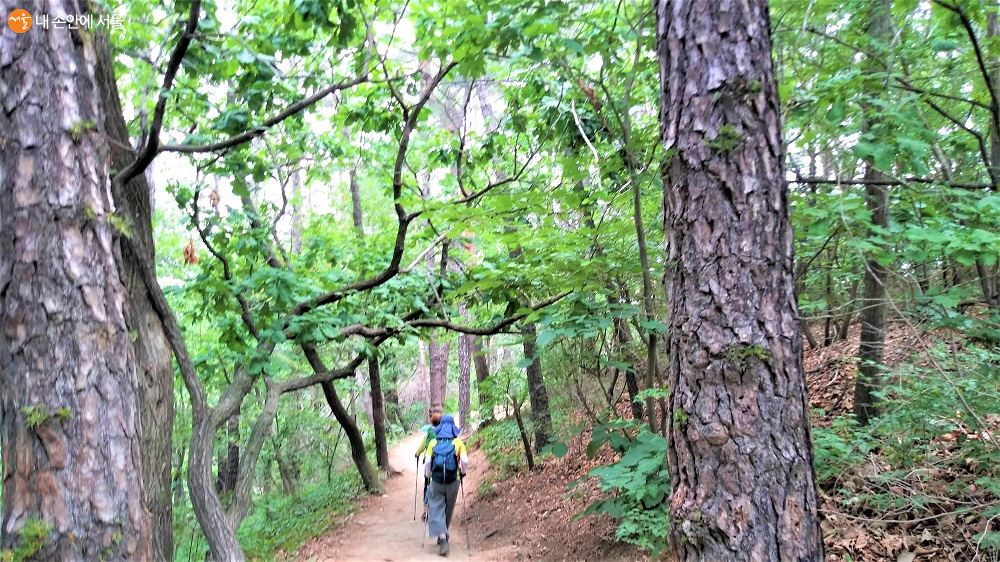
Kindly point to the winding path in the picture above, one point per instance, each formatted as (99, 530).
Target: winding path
(382, 529)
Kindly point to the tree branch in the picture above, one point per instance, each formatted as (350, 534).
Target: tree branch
(226, 270)
(259, 130)
(890, 182)
(149, 151)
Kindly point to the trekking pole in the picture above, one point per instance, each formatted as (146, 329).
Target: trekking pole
(416, 487)
(427, 520)
(465, 512)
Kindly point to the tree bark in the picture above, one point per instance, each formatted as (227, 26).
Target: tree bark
(229, 465)
(378, 413)
(369, 477)
(464, 378)
(739, 454)
(438, 361)
(154, 360)
(356, 202)
(67, 365)
(541, 419)
(481, 361)
(423, 372)
(869, 377)
(296, 230)
(647, 303)
(631, 382)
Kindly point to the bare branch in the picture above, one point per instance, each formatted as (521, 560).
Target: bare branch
(424, 253)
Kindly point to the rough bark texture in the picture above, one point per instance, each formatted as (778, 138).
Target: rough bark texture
(69, 394)
(739, 454)
(481, 360)
(438, 371)
(464, 373)
(874, 305)
(378, 414)
(541, 419)
(154, 360)
(229, 460)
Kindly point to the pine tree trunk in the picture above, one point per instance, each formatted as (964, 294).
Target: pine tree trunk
(71, 414)
(739, 454)
(154, 360)
(874, 305)
(541, 419)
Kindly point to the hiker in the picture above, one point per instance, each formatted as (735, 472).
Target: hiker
(447, 462)
(429, 436)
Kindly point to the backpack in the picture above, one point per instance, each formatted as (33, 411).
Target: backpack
(444, 462)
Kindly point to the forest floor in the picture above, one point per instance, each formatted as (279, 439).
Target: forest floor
(530, 515)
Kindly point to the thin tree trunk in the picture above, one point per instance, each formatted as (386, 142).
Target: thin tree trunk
(843, 324)
(229, 460)
(71, 409)
(481, 361)
(423, 372)
(541, 419)
(356, 201)
(438, 361)
(154, 360)
(378, 413)
(739, 455)
(296, 233)
(286, 470)
(869, 378)
(464, 374)
(647, 303)
(369, 477)
(631, 382)
(523, 432)
(365, 396)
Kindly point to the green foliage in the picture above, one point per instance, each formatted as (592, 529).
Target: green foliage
(64, 414)
(501, 442)
(636, 486)
(30, 540)
(284, 523)
(36, 415)
(839, 448)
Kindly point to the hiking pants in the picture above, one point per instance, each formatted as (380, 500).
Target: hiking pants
(441, 500)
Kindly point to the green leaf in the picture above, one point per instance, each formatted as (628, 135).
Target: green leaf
(545, 338)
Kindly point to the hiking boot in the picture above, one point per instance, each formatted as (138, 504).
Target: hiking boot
(443, 547)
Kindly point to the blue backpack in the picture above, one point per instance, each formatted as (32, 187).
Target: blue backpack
(444, 462)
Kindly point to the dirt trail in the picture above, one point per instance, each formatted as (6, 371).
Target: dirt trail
(383, 530)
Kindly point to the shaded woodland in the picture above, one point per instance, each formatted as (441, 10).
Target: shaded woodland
(731, 269)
